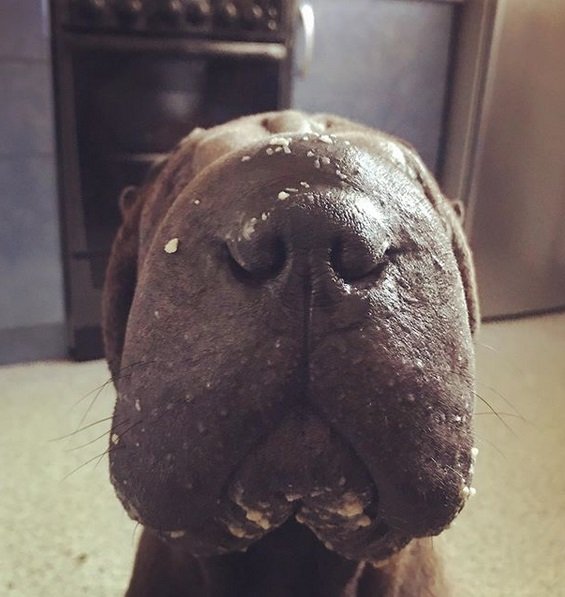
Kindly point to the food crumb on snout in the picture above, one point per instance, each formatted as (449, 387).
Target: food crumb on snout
(236, 531)
(468, 492)
(350, 506)
(172, 245)
(363, 521)
(249, 228)
(279, 141)
(258, 518)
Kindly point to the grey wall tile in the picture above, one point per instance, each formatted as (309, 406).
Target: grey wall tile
(26, 114)
(23, 26)
(30, 263)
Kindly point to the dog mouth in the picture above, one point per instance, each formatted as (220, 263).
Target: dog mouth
(304, 471)
(343, 520)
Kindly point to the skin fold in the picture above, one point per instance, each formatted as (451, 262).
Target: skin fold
(288, 316)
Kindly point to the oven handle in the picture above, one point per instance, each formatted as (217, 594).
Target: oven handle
(308, 22)
(185, 47)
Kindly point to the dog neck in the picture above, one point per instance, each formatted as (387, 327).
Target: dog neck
(290, 562)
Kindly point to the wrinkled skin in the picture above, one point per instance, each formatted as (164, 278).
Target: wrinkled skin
(302, 354)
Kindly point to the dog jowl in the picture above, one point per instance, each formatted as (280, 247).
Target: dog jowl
(289, 312)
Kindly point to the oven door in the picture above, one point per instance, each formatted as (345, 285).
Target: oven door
(124, 102)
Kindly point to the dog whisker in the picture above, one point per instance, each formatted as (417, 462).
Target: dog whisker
(100, 456)
(91, 404)
(484, 440)
(487, 346)
(87, 395)
(503, 414)
(109, 381)
(135, 528)
(105, 434)
(77, 431)
(78, 468)
(495, 412)
(502, 397)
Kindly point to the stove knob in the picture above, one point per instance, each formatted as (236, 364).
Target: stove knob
(169, 12)
(128, 11)
(252, 16)
(90, 9)
(197, 11)
(227, 14)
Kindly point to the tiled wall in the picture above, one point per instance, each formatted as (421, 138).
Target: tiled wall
(31, 290)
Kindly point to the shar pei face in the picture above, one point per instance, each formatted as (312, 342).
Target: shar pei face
(288, 317)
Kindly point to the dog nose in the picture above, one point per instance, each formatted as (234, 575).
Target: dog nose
(347, 240)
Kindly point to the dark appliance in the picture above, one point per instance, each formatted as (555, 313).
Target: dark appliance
(131, 78)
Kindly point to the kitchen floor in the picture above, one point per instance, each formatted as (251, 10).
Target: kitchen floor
(63, 533)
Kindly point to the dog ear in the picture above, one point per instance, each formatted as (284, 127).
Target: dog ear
(121, 278)
(451, 213)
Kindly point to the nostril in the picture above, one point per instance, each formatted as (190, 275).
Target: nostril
(355, 260)
(255, 262)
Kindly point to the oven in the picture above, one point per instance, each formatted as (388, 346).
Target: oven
(132, 77)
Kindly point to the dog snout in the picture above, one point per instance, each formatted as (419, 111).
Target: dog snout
(348, 242)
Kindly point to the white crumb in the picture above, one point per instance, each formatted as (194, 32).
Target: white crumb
(172, 246)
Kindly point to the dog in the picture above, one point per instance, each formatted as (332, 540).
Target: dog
(288, 316)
